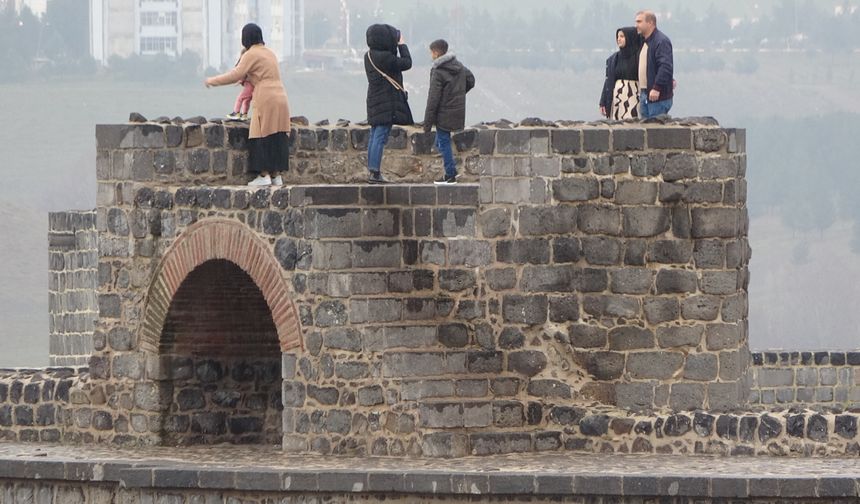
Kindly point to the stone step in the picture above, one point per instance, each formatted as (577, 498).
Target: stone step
(199, 472)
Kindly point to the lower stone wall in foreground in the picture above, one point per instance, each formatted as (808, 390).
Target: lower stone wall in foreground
(487, 427)
(58, 405)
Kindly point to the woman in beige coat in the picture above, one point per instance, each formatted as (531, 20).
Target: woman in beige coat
(268, 139)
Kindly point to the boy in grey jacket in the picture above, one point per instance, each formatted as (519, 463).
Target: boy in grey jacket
(446, 103)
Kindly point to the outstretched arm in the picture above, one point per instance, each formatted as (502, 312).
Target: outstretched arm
(235, 75)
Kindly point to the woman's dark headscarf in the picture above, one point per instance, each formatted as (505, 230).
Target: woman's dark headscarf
(627, 64)
(251, 35)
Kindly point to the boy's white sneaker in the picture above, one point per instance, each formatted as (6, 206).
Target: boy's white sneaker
(261, 181)
(278, 181)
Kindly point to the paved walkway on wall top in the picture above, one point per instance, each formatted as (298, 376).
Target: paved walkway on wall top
(268, 469)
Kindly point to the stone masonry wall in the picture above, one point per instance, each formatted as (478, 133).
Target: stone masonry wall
(585, 292)
(806, 378)
(36, 404)
(72, 276)
(606, 265)
(585, 264)
(57, 405)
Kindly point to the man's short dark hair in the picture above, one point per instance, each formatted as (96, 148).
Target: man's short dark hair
(440, 47)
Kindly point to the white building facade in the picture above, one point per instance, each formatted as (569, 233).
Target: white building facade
(210, 28)
(37, 7)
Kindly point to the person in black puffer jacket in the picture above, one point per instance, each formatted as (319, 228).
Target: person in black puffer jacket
(446, 103)
(386, 102)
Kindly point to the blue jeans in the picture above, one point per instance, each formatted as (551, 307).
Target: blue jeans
(443, 145)
(376, 146)
(652, 109)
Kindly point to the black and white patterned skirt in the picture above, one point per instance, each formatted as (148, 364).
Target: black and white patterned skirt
(625, 100)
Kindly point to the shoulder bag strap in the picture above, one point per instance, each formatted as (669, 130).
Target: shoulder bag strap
(393, 82)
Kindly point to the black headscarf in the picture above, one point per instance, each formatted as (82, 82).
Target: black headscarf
(627, 63)
(251, 35)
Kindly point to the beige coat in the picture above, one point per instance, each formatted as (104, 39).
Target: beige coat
(271, 110)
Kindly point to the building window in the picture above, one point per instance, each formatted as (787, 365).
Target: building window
(156, 45)
(154, 18)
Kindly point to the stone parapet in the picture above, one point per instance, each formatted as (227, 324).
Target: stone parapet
(214, 153)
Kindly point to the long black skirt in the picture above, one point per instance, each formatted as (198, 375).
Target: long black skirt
(269, 154)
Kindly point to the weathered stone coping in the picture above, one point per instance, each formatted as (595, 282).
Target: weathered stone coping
(264, 469)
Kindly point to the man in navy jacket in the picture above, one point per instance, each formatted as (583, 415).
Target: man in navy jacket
(655, 67)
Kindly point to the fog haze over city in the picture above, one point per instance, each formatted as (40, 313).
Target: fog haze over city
(785, 70)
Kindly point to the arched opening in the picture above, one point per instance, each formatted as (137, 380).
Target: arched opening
(211, 239)
(221, 339)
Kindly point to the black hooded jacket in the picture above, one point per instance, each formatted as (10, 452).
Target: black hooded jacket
(446, 100)
(384, 102)
(623, 64)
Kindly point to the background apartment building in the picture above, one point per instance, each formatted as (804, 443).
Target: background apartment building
(209, 28)
(37, 7)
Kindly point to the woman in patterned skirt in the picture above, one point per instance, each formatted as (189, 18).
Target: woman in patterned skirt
(620, 97)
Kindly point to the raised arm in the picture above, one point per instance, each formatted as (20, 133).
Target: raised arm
(404, 61)
(233, 76)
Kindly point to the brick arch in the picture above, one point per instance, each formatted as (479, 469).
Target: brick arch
(211, 239)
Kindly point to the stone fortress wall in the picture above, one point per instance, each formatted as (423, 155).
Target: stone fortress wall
(583, 289)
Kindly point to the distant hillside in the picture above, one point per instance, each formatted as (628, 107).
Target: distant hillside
(23, 286)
